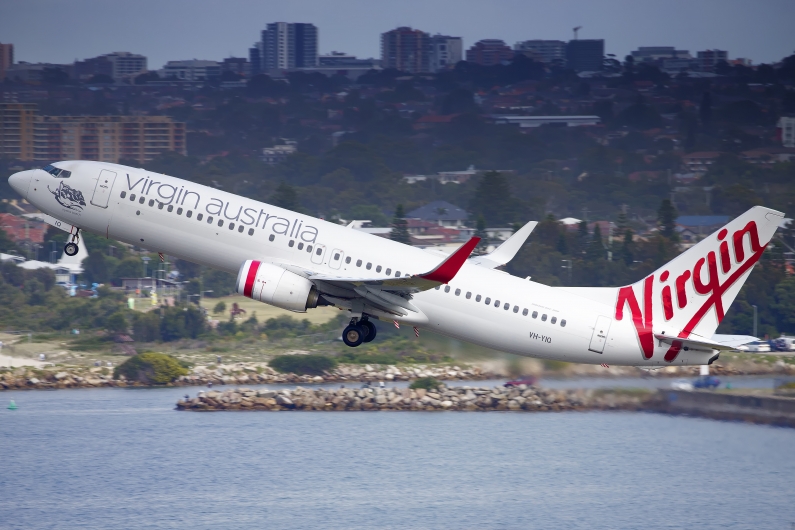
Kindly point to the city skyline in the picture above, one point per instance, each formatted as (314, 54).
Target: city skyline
(217, 31)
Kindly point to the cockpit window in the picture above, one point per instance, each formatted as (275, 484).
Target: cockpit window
(56, 172)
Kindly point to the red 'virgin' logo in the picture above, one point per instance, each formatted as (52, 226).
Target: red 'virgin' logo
(712, 287)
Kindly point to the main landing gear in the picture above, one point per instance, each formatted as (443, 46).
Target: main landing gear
(71, 248)
(358, 331)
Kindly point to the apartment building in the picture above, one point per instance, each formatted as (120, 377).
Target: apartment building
(545, 51)
(406, 49)
(489, 52)
(26, 136)
(6, 58)
(16, 130)
(446, 51)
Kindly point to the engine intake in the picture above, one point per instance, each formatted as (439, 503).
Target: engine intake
(275, 286)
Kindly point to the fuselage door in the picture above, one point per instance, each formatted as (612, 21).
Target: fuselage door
(317, 254)
(103, 187)
(337, 256)
(600, 331)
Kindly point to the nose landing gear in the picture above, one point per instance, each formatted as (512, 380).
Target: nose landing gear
(358, 331)
(71, 248)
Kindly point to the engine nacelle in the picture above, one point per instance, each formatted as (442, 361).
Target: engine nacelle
(275, 286)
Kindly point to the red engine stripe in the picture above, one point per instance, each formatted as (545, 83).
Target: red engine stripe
(252, 274)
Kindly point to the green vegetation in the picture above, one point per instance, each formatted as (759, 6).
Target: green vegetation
(220, 307)
(151, 369)
(303, 364)
(426, 383)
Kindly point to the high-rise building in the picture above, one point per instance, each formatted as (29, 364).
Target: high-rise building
(192, 70)
(585, 55)
(255, 58)
(6, 58)
(489, 51)
(26, 136)
(546, 51)
(406, 49)
(445, 52)
(285, 46)
(16, 130)
(707, 59)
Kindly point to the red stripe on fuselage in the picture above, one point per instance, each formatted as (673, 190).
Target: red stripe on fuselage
(252, 274)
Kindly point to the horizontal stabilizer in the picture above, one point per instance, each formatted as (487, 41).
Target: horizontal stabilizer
(717, 342)
(507, 250)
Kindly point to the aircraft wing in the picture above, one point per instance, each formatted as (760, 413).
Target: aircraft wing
(717, 342)
(390, 295)
(507, 250)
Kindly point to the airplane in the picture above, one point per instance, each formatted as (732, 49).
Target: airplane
(297, 262)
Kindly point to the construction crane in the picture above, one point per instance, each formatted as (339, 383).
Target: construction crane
(578, 28)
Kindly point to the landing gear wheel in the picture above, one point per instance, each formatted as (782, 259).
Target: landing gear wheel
(370, 330)
(70, 249)
(353, 335)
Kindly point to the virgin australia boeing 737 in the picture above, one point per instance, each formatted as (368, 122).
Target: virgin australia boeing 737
(297, 262)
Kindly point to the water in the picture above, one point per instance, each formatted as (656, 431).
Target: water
(122, 458)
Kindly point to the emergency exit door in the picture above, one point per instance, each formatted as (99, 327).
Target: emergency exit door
(103, 187)
(600, 331)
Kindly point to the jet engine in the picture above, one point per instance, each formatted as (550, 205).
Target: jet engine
(275, 286)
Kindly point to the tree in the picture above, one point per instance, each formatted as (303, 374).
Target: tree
(187, 269)
(116, 323)
(494, 201)
(596, 249)
(666, 219)
(285, 197)
(95, 268)
(220, 307)
(400, 231)
(151, 369)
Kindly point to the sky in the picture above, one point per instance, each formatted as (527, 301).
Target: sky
(60, 31)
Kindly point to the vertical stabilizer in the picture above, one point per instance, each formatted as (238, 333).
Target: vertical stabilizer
(690, 295)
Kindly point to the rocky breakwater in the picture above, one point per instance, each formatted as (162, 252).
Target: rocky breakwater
(22, 379)
(259, 373)
(521, 398)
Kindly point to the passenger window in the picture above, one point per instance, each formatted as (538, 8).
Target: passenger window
(151, 202)
(438, 287)
(271, 237)
(210, 220)
(458, 292)
(388, 272)
(309, 248)
(319, 251)
(369, 266)
(524, 312)
(231, 226)
(179, 211)
(516, 309)
(336, 256)
(563, 323)
(251, 231)
(553, 320)
(496, 303)
(487, 301)
(170, 208)
(160, 205)
(544, 317)
(189, 213)
(477, 298)
(348, 259)
(535, 314)
(240, 228)
(397, 274)
(300, 246)
(123, 194)
(199, 216)
(447, 288)
(378, 269)
(220, 222)
(469, 295)
(291, 244)
(142, 200)
(132, 196)
(358, 263)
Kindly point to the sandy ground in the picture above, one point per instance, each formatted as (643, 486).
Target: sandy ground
(14, 362)
(319, 315)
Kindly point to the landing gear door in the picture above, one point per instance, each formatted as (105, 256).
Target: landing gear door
(600, 331)
(103, 187)
(337, 256)
(317, 254)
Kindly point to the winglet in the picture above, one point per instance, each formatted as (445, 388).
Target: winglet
(447, 269)
(507, 250)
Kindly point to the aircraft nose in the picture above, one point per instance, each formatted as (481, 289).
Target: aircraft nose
(20, 182)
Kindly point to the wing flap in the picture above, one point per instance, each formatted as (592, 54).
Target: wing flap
(718, 342)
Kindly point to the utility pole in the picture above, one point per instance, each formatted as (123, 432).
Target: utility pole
(755, 313)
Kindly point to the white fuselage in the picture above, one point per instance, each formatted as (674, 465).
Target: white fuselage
(522, 317)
